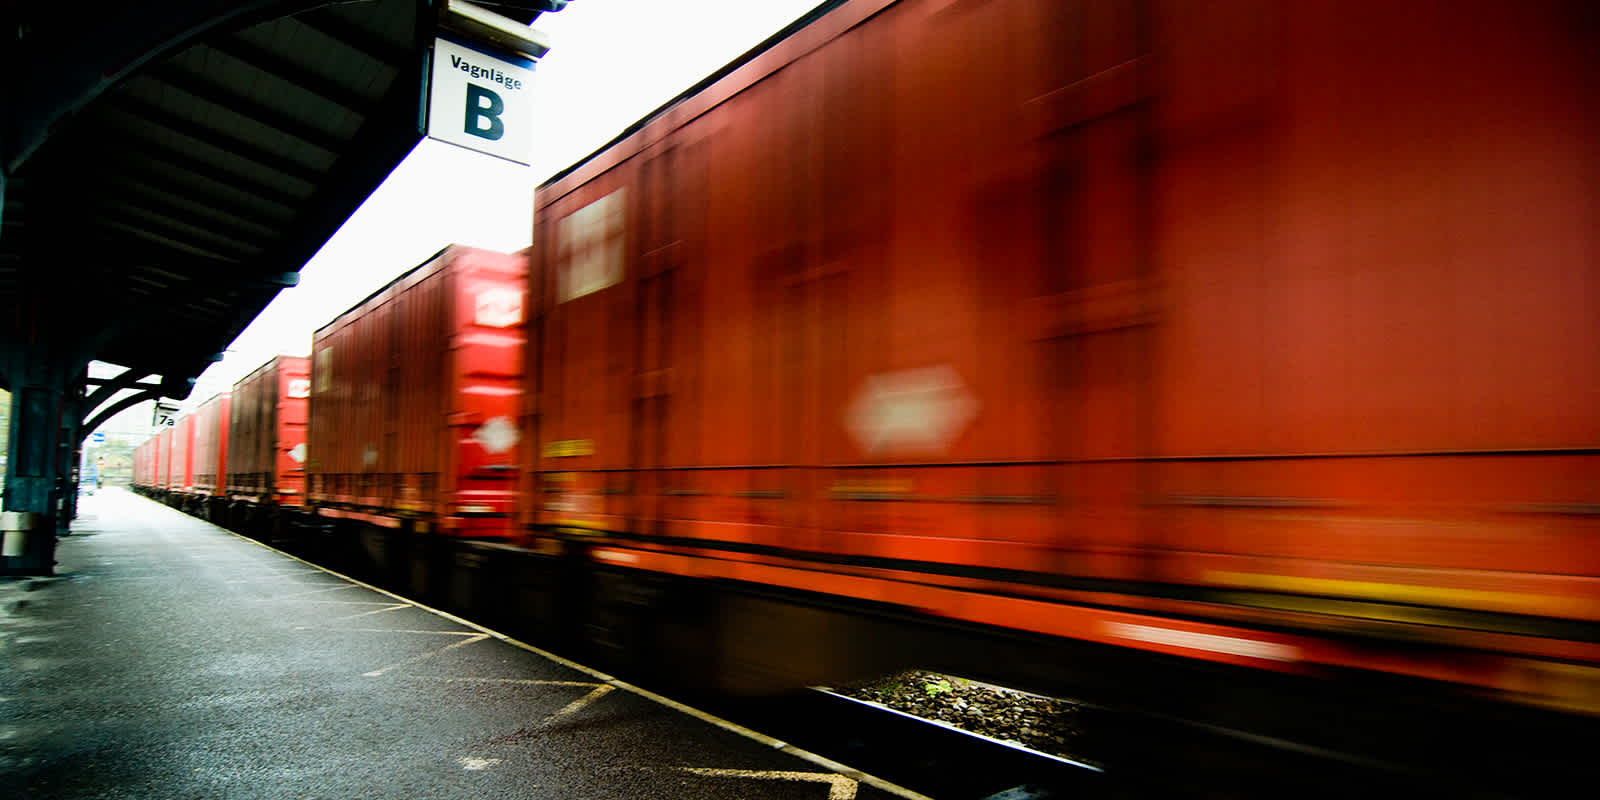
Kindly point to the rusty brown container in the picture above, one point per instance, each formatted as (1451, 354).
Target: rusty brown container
(163, 459)
(211, 446)
(267, 439)
(1289, 304)
(416, 394)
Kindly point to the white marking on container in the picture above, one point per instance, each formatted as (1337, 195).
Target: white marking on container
(497, 435)
(491, 391)
(911, 411)
(497, 307)
(1208, 642)
(617, 557)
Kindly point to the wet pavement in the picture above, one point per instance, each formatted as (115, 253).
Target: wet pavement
(172, 659)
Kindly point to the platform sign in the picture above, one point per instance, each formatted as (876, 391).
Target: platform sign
(479, 98)
(166, 415)
(97, 438)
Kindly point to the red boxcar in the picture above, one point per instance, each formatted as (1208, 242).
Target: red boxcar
(149, 456)
(267, 433)
(415, 398)
(140, 466)
(163, 476)
(211, 447)
(180, 468)
(1201, 332)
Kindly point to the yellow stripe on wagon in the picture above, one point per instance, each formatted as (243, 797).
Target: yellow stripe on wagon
(1413, 594)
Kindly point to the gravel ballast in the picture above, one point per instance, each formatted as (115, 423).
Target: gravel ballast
(1045, 724)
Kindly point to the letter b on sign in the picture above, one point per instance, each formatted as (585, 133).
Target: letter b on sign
(483, 113)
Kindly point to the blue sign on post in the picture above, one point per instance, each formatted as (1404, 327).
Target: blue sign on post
(97, 438)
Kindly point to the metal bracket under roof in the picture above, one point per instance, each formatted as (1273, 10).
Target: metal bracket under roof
(487, 26)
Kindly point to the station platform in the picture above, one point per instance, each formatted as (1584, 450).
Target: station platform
(171, 658)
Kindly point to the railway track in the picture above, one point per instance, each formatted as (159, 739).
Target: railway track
(930, 757)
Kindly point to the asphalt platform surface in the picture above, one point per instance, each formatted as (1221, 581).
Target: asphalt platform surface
(171, 659)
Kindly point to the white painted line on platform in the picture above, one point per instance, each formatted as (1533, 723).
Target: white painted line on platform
(580, 704)
(732, 727)
(839, 787)
(388, 630)
(514, 681)
(386, 609)
(425, 656)
(476, 764)
(304, 594)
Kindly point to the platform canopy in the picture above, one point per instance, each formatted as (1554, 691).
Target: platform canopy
(168, 168)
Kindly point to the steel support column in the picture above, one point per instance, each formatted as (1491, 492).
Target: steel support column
(69, 448)
(41, 382)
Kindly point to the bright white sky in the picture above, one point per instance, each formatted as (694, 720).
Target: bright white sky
(610, 63)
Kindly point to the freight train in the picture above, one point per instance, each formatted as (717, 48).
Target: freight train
(1238, 361)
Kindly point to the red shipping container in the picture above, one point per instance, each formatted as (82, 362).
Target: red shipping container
(147, 462)
(180, 471)
(1252, 304)
(267, 433)
(415, 397)
(163, 476)
(211, 446)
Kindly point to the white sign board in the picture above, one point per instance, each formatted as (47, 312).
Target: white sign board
(166, 415)
(481, 101)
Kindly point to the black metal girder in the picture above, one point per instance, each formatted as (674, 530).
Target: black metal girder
(243, 105)
(239, 148)
(188, 157)
(88, 47)
(273, 63)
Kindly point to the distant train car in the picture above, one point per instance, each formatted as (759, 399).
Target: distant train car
(210, 437)
(267, 442)
(1225, 332)
(163, 477)
(143, 465)
(415, 399)
(180, 473)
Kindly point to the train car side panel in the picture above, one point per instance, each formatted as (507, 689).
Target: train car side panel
(1156, 306)
(485, 398)
(211, 445)
(163, 475)
(286, 418)
(405, 387)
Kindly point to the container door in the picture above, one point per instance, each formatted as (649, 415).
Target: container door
(1093, 313)
(670, 239)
